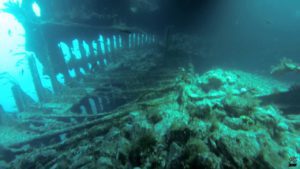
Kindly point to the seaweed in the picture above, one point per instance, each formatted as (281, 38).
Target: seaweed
(179, 133)
(154, 117)
(240, 105)
(142, 147)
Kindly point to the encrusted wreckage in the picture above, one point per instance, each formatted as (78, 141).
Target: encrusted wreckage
(165, 118)
(122, 100)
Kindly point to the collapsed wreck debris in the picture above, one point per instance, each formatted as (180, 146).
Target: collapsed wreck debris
(176, 122)
(285, 66)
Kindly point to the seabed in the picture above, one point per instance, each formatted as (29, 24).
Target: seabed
(155, 118)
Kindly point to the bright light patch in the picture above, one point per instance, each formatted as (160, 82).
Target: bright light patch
(14, 67)
(120, 41)
(83, 110)
(3, 2)
(7, 100)
(101, 103)
(86, 49)
(65, 51)
(143, 39)
(129, 40)
(108, 45)
(95, 47)
(12, 41)
(45, 79)
(72, 73)
(90, 66)
(138, 40)
(36, 9)
(115, 42)
(82, 71)
(60, 78)
(134, 39)
(76, 49)
(102, 46)
(93, 105)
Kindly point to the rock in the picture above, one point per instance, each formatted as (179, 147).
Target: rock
(109, 147)
(237, 146)
(201, 127)
(35, 159)
(282, 126)
(243, 122)
(233, 123)
(112, 134)
(231, 79)
(217, 79)
(170, 117)
(173, 155)
(6, 154)
(104, 162)
(202, 109)
(243, 90)
(216, 94)
(3, 164)
(207, 160)
(84, 160)
(140, 120)
(211, 80)
(298, 145)
(193, 91)
(271, 158)
(233, 91)
(179, 135)
(45, 155)
(240, 105)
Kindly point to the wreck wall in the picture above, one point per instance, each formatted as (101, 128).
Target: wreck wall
(39, 65)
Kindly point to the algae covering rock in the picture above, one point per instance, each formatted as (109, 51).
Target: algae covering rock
(238, 147)
(210, 121)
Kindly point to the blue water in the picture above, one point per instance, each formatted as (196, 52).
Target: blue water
(253, 34)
